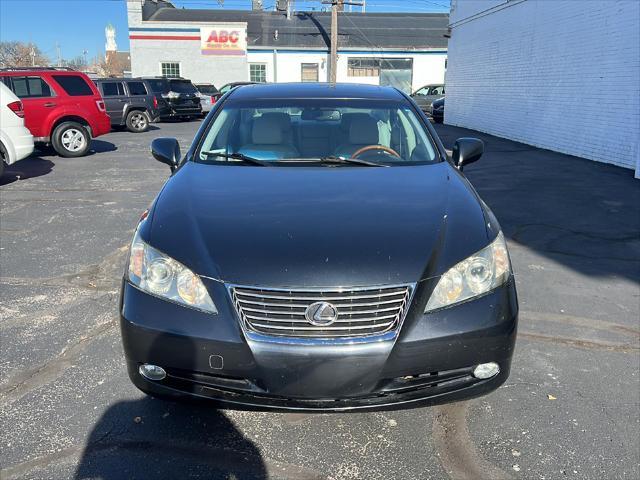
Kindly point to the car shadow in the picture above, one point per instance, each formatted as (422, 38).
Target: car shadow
(581, 213)
(30, 167)
(154, 438)
(101, 146)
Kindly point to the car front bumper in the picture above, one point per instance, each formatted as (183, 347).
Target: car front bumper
(429, 362)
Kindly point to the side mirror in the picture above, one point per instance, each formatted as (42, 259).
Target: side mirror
(466, 151)
(166, 150)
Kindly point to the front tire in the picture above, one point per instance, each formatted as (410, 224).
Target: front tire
(71, 139)
(137, 121)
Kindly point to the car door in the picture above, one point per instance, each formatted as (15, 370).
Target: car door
(115, 100)
(38, 100)
(435, 93)
(421, 97)
(139, 97)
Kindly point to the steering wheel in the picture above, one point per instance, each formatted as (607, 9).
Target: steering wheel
(368, 148)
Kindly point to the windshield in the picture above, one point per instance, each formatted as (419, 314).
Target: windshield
(182, 86)
(307, 130)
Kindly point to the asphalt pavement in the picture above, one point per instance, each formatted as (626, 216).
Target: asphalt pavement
(570, 408)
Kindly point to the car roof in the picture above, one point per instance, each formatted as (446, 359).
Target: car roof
(316, 90)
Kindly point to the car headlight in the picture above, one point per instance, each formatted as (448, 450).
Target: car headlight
(480, 273)
(162, 276)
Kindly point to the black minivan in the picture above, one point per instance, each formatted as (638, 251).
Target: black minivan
(179, 97)
(316, 249)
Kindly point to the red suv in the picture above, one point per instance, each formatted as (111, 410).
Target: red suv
(62, 107)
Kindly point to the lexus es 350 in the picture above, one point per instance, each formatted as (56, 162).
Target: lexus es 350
(316, 249)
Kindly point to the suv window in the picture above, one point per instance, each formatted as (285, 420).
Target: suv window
(30, 87)
(111, 89)
(74, 85)
(159, 85)
(182, 86)
(137, 88)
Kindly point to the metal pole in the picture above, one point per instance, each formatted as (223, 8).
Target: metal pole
(334, 41)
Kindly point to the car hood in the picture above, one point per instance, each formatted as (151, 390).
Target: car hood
(317, 226)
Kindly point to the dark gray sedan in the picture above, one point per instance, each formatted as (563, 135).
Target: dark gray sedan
(317, 250)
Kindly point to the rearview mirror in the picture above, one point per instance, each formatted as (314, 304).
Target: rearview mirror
(466, 151)
(166, 150)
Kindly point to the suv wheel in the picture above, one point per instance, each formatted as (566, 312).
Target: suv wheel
(70, 139)
(137, 121)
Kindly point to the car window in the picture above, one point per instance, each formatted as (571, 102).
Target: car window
(207, 89)
(437, 90)
(423, 91)
(30, 87)
(74, 85)
(182, 86)
(111, 89)
(137, 88)
(225, 89)
(311, 129)
(159, 85)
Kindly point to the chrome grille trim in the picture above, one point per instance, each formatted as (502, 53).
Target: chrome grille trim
(364, 314)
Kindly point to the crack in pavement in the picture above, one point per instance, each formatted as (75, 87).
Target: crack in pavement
(234, 461)
(27, 381)
(575, 342)
(103, 276)
(457, 452)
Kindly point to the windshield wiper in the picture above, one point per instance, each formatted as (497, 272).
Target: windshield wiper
(237, 156)
(332, 159)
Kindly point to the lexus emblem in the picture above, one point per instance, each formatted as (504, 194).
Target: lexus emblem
(321, 314)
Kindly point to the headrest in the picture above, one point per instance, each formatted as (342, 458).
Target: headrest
(281, 118)
(363, 130)
(266, 132)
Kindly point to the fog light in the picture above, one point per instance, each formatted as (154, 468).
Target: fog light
(152, 372)
(486, 370)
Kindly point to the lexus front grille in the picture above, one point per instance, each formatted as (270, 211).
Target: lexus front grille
(289, 313)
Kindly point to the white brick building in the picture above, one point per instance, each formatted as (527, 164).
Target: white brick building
(561, 74)
(408, 50)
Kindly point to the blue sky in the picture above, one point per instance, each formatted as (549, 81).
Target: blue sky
(79, 24)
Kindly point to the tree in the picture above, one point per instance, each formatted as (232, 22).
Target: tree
(77, 63)
(113, 64)
(20, 54)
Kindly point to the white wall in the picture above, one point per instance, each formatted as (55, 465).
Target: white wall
(562, 75)
(427, 67)
(146, 56)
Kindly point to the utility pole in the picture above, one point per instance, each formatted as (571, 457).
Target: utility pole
(59, 54)
(336, 6)
(334, 41)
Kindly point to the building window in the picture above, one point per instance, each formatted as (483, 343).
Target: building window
(170, 69)
(363, 67)
(257, 72)
(309, 72)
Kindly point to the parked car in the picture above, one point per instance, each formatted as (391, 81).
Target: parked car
(129, 102)
(316, 249)
(179, 95)
(208, 94)
(230, 86)
(16, 142)
(62, 107)
(426, 95)
(437, 110)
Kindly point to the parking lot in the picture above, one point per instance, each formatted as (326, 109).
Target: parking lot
(568, 410)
